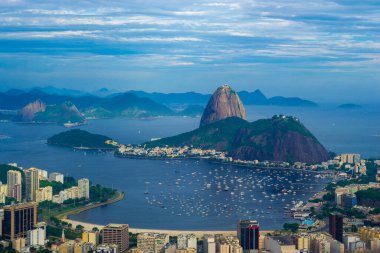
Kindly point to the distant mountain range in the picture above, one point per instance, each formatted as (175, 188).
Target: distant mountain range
(248, 98)
(105, 103)
(38, 106)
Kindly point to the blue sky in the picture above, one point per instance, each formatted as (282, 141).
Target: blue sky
(317, 49)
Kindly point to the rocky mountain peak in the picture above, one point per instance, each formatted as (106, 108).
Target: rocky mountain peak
(28, 112)
(224, 103)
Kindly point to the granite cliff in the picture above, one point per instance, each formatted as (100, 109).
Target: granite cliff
(224, 103)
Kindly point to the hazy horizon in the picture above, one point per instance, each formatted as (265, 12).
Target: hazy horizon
(325, 51)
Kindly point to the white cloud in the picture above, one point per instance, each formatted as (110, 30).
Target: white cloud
(160, 39)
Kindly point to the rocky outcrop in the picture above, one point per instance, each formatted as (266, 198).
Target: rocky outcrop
(28, 112)
(224, 103)
(39, 112)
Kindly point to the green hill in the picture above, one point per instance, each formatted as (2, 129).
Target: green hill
(280, 138)
(77, 138)
(218, 135)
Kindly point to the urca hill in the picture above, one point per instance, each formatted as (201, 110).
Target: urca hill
(224, 127)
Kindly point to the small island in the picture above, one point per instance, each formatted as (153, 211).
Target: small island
(350, 106)
(80, 139)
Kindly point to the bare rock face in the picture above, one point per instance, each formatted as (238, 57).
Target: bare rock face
(28, 112)
(224, 103)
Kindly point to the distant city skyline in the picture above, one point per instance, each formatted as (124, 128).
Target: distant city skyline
(323, 50)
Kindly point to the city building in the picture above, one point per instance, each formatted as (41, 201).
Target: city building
(36, 236)
(248, 232)
(42, 174)
(228, 244)
(116, 234)
(84, 188)
(32, 184)
(91, 237)
(374, 244)
(145, 242)
(15, 227)
(44, 193)
(152, 242)
(2, 197)
(336, 226)
(350, 158)
(18, 244)
(349, 200)
(4, 189)
(353, 243)
(14, 182)
(107, 248)
(55, 176)
(209, 244)
(302, 242)
(3, 192)
(279, 244)
(185, 241)
(367, 233)
(170, 248)
(83, 247)
(160, 241)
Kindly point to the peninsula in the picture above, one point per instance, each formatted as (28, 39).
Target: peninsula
(80, 139)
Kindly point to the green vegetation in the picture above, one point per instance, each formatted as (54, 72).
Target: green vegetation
(132, 240)
(53, 231)
(216, 135)
(101, 194)
(369, 197)
(372, 194)
(80, 138)
(66, 112)
(316, 200)
(192, 111)
(4, 168)
(58, 186)
(98, 112)
(260, 139)
(293, 227)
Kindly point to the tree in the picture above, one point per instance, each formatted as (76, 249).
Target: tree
(79, 227)
(291, 226)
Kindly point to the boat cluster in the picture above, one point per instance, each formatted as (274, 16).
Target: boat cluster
(228, 191)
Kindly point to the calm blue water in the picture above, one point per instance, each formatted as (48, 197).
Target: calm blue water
(189, 194)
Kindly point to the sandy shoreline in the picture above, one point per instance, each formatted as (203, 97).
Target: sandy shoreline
(198, 233)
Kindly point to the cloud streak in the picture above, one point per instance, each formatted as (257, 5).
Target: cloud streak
(197, 35)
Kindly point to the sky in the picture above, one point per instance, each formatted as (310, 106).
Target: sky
(316, 49)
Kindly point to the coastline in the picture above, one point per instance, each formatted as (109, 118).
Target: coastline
(198, 233)
(328, 172)
(120, 195)
(64, 216)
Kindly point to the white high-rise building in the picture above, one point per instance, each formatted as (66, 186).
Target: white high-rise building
(44, 193)
(32, 183)
(186, 241)
(209, 245)
(84, 188)
(55, 176)
(14, 184)
(43, 174)
(2, 197)
(37, 236)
